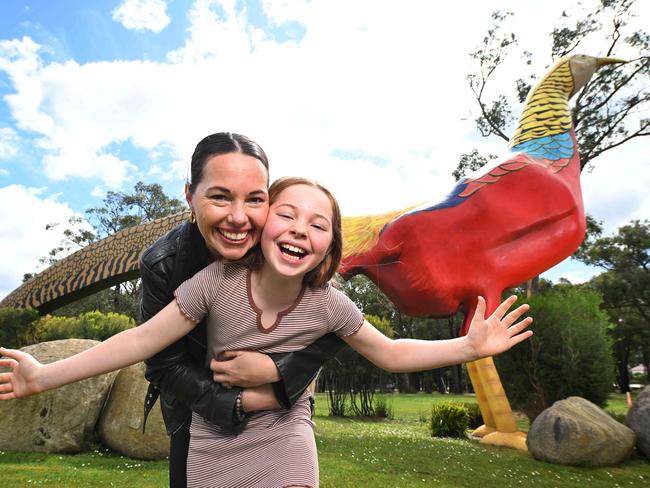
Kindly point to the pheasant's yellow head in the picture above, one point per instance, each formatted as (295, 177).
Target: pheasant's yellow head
(583, 68)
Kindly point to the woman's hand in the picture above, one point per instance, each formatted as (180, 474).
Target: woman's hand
(259, 398)
(22, 380)
(497, 333)
(244, 368)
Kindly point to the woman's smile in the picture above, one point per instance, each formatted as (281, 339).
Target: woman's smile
(235, 237)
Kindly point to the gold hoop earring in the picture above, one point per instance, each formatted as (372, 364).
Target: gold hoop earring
(191, 218)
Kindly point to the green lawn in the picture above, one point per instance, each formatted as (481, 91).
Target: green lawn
(353, 453)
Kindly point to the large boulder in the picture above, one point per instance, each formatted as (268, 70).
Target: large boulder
(638, 419)
(576, 432)
(120, 424)
(61, 420)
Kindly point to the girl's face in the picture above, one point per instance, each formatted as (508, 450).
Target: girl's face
(230, 204)
(298, 231)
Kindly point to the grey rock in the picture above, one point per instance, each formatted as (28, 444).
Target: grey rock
(576, 432)
(120, 424)
(61, 420)
(638, 419)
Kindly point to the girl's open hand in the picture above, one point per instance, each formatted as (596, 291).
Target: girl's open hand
(497, 333)
(21, 381)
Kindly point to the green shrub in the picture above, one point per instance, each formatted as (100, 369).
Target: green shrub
(90, 325)
(474, 414)
(569, 355)
(17, 327)
(448, 420)
(383, 408)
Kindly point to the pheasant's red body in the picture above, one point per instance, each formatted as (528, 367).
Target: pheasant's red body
(494, 232)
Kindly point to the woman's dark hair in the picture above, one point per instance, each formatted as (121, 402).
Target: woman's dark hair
(222, 143)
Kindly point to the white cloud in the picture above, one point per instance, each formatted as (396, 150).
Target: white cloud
(4, 172)
(142, 15)
(572, 270)
(23, 239)
(98, 192)
(615, 192)
(8, 143)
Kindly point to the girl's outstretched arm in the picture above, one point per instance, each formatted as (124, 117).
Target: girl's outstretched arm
(131, 346)
(486, 337)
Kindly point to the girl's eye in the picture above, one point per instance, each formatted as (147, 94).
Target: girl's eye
(319, 227)
(285, 216)
(218, 197)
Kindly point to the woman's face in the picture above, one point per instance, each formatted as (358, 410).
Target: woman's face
(230, 204)
(298, 232)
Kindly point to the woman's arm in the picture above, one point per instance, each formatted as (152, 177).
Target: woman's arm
(486, 337)
(290, 373)
(128, 347)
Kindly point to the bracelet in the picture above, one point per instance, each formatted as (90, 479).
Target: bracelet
(238, 410)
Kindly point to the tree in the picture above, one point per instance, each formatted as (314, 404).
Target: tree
(369, 298)
(119, 210)
(352, 376)
(446, 379)
(469, 162)
(349, 374)
(625, 287)
(609, 110)
(569, 354)
(605, 113)
(18, 327)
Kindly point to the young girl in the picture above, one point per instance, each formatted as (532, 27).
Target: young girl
(281, 302)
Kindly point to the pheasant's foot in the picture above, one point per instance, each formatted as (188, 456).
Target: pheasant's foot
(483, 430)
(508, 439)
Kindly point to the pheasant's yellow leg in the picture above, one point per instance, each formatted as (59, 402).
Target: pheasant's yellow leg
(500, 427)
(488, 425)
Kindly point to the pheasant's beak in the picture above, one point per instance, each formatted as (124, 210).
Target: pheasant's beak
(603, 61)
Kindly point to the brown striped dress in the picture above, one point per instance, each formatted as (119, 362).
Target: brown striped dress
(277, 449)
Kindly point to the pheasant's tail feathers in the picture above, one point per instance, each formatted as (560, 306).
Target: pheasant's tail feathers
(361, 233)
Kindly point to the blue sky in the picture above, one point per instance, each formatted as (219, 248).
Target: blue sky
(84, 31)
(368, 97)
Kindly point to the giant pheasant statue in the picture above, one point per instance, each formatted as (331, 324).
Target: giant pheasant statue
(494, 231)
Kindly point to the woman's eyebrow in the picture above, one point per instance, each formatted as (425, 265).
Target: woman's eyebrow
(218, 188)
(224, 189)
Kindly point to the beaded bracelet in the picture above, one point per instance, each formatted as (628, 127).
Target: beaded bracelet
(238, 409)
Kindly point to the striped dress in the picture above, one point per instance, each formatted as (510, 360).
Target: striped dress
(277, 449)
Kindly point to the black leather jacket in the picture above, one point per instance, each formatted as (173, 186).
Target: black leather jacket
(178, 373)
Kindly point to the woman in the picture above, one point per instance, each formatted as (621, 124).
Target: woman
(228, 199)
